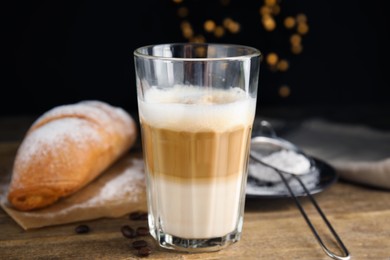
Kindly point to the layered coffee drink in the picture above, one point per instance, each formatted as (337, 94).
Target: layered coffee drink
(196, 147)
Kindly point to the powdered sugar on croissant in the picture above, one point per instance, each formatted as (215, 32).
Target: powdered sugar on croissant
(65, 149)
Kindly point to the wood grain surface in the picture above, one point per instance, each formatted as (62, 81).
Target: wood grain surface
(273, 228)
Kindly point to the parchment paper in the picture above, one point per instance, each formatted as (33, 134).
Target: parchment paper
(118, 191)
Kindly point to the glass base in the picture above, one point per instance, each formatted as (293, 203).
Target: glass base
(195, 245)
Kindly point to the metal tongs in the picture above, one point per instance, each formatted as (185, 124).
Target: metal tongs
(270, 143)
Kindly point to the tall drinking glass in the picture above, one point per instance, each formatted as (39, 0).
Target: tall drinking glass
(196, 104)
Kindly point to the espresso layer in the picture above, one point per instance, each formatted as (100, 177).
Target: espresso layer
(183, 155)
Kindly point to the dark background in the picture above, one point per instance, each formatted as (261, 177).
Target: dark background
(61, 52)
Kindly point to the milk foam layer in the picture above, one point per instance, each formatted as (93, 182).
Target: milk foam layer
(196, 108)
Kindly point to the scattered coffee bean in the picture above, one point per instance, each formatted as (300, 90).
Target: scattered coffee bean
(139, 243)
(134, 215)
(144, 216)
(144, 251)
(142, 231)
(128, 232)
(138, 215)
(82, 229)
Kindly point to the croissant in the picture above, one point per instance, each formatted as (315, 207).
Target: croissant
(65, 149)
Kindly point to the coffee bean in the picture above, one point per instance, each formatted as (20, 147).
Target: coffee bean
(82, 229)
(144, 216)
(128, 232)
(139, 243)
(142, 231)
(138, 215)
(134, 215)
(144, 251)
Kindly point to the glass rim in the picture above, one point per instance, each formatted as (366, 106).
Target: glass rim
(254, 52)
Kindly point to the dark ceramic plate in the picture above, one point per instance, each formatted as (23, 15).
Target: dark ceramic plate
(316, 181)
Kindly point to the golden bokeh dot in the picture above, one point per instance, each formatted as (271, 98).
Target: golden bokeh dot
(212, 52)
(272, 59)
(283, 65)
(295, 39)
(234, 27)
(187, 33)
(270, 2)
(265, 10)
(177, 1)
(297, 49)
(185, 24)
(302, 28)
(219, 31)
(284, 91)
(269, 22)
(301, 18)
(200, 51)
(182, 12)
(186, 29)
(289, 22)
(209, 25)
(227, 22)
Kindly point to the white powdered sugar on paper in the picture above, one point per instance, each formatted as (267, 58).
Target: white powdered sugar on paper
(126, 186)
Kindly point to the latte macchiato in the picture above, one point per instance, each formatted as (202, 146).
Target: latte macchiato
(196, 145)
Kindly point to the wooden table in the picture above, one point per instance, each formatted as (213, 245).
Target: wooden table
(273, 228)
